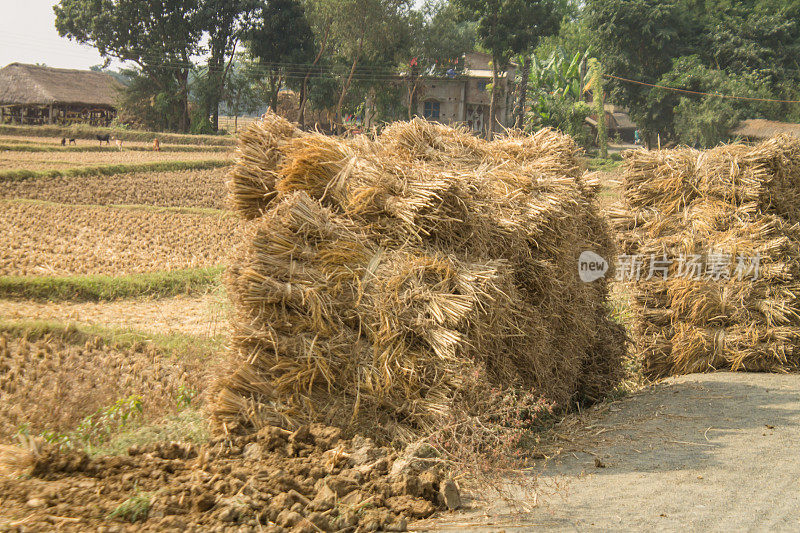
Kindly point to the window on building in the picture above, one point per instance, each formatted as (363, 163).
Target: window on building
(431, 110)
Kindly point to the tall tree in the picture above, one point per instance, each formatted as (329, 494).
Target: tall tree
(159, 37)
(365, 42)
(506, 28)
(282, 42)
(637, 39)
(225, 22)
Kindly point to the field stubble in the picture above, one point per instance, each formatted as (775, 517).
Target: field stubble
(52, 239)
(37, 161)
(186, 188)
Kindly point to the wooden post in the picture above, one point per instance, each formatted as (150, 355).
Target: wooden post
(50, 114)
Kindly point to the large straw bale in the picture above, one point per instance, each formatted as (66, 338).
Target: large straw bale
(738, 200)
(381, 282)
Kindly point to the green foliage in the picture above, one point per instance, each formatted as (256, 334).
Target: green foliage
(561, 113)
(442, 37)
(184, 397)
(738, 48)
(159, 37)
(280, 40)
(703, 121)
(506, 28)
(637, 40)
(556, 94)
(98, 427)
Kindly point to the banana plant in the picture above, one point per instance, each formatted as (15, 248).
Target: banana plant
(560, 75)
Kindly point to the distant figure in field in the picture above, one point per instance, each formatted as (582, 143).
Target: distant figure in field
(156, 145)
(118, 142)
(63, 141)
(104, 139)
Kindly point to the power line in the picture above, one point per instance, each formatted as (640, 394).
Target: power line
(676, 89)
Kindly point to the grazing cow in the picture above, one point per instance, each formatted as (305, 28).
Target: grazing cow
(72, 141)
(104, 139)
(63, 141)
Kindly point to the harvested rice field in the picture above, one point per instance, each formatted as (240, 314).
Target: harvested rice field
(50, 384)
(52, 239)
(183, 188)
(34, 161)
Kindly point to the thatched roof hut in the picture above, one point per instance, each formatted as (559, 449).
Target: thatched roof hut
(758, 129)
(32, 94)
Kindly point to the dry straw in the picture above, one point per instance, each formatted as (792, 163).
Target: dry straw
(379, 277)
(734, 199)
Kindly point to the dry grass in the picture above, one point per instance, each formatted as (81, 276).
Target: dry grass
(187, 188)
(386, 285)
(49, 384)
(51, 239)
(738, 200)
(36, 161)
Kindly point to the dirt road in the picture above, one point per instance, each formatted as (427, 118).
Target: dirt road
(714, 452)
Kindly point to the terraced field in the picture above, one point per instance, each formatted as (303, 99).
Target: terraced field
(111, 311)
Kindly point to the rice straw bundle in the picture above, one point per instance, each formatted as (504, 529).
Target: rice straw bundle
(382, 279)
(734, 201)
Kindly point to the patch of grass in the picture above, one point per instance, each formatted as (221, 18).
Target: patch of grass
(133, 509)
(175, 345)
(101, 287)
(187, 425)
(605, 165)
(84, 131)
(110, 170)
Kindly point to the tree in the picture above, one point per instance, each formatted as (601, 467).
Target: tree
(159, 37)
(556, 96)
(225, 22)
(747, 45)
(281, 40)
(440, 40)
(240, 96)
(366, 40)
(506, 28)
(597, 84)
(705, 120)
(638, 39)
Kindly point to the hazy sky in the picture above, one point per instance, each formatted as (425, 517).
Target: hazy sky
(28, 35)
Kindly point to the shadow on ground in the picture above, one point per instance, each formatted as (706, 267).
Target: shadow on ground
(713, 452)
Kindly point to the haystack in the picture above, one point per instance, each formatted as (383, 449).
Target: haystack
(728, 220)
(385, 283)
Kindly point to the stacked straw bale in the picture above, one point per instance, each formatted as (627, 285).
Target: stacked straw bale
(384, 282)
(734, 204)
